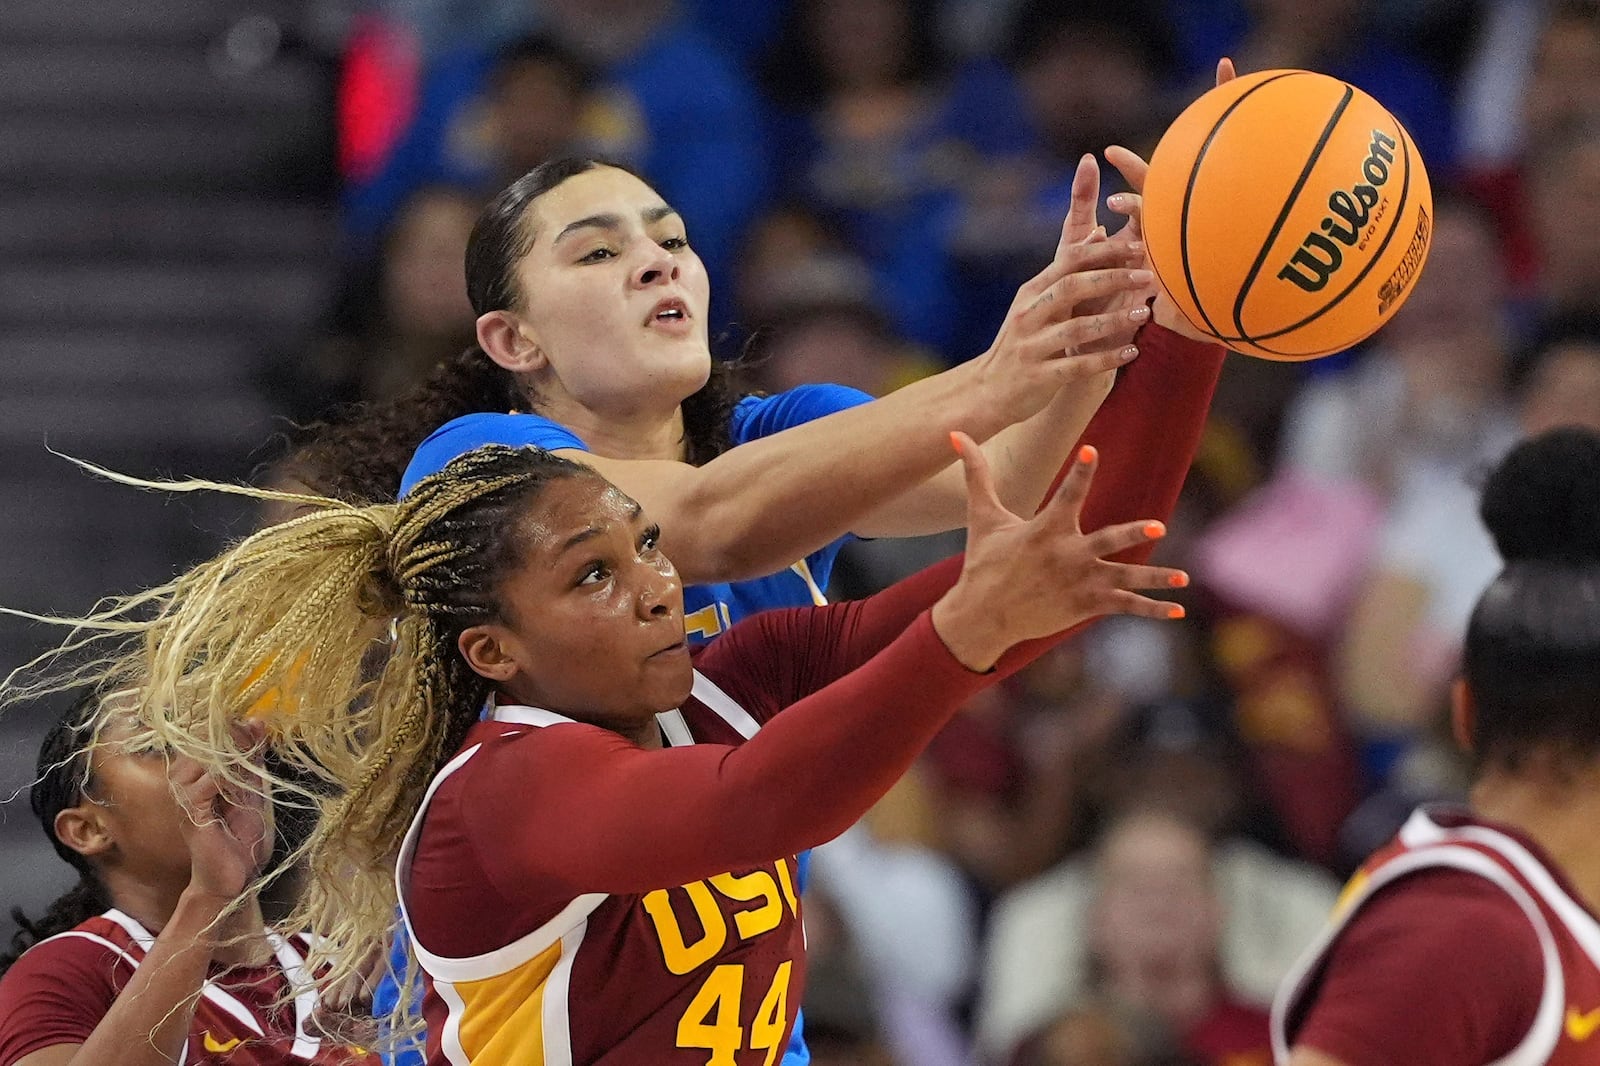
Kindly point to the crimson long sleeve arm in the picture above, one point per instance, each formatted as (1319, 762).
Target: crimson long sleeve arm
(614, 818)
(870, 684)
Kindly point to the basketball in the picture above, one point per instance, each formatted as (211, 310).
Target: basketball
(1287, 214)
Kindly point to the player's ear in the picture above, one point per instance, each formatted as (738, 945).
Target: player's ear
(83, 829)
(485, 651)
(1463, 714)
(508, 340)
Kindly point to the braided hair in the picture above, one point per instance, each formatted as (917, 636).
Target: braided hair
(339, 630)
(61, 776)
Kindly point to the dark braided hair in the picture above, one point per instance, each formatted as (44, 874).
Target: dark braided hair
(61, 776)
(360, 455)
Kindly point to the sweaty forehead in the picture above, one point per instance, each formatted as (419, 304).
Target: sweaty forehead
(570, 506)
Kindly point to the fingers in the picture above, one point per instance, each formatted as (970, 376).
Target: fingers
(1081, 214)
(1104, 543)
(1134, 576)
(1130, 165)
(1126, 203)
(1080, 365)
(1058, 301)
(1121, 601)
(984, 508)
(1089, 254)
(1225, 71)
(1108, 330)
(1067, 502)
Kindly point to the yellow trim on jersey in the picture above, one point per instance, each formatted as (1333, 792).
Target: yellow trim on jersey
(804, 570)
(502, 1018)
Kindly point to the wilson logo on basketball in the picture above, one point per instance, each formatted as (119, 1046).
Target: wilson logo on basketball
(1351, 213)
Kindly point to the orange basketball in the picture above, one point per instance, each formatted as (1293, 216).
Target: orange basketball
(1287, 214)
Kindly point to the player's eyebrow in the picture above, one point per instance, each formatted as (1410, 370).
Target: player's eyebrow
(590, 532)
(611, 220)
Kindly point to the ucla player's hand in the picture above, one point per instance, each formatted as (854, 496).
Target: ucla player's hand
(1134, 169)
(1051, 336)
(1030, 577)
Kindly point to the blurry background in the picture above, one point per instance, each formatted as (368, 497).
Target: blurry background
(220, 217)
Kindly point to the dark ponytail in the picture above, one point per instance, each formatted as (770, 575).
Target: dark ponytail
(1532, 652)
(361, 455)
(62, 774)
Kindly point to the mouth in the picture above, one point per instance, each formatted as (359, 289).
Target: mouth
(670, 650)
(671, 313)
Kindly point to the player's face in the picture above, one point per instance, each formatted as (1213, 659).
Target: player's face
(592, 618)
(140, 821)
(613, 296)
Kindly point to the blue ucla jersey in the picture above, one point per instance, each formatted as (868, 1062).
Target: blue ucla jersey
(708, 609)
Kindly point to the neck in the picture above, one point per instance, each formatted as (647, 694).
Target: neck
(237, 935)
(1558, 812)
(642, 434)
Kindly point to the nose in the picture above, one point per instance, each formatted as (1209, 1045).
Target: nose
(658, 266)
(659, 591)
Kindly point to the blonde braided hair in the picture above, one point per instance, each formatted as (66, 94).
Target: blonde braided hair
(338, 628)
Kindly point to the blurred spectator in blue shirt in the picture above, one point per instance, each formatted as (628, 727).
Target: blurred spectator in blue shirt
(666, 100)
(880, 133)
(1336, 37)
(1090, 74)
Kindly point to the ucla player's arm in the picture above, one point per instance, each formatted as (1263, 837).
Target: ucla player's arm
(1147, 432)
(1028, 456)
(760, 506)
(1438, 969)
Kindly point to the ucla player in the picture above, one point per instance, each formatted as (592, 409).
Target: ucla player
(1472, 938)
(132, 966)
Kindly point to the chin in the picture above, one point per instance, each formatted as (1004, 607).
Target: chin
(673, 693)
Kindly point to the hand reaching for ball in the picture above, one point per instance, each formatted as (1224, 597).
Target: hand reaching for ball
(1133, 169)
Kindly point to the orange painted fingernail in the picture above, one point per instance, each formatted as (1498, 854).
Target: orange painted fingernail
(1175, 612)
(1179, 580)
(1155, 530)
(1087, 454)
(955, 441)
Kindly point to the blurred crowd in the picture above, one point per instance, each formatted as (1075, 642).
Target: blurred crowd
(1114, 858)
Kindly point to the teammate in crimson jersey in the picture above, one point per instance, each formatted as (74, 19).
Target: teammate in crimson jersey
(604, 871)
(1472, 938)
(127, 968)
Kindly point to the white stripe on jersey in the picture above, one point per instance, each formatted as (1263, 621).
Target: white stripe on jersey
(1421, 829)
(724, 706)
(1545, 1032)
(524, 948)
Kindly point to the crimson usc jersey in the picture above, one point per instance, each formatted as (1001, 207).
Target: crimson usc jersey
(1557, 1020)
(63, 986)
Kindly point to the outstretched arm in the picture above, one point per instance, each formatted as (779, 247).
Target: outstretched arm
(1147, 433)
(615, 818)
(1026, 455)
(757, 508)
